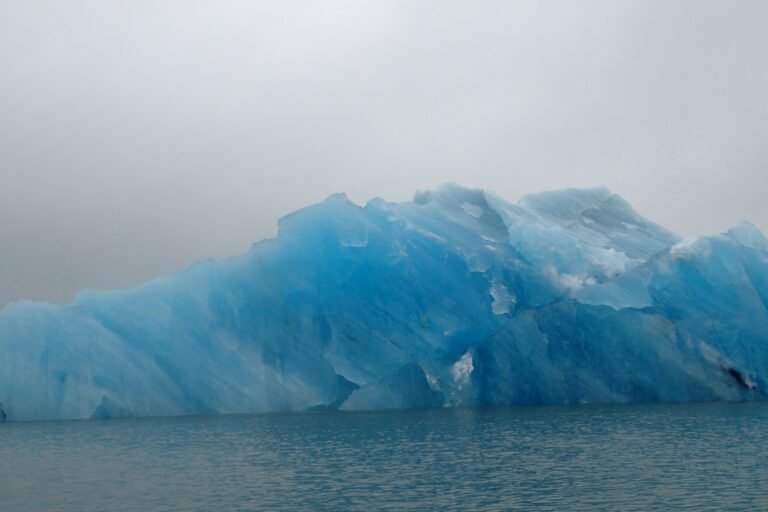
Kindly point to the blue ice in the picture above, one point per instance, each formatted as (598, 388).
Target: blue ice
(456, 298)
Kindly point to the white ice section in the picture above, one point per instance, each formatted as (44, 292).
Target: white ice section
(690, 246)
(503, 300)
(462, 369)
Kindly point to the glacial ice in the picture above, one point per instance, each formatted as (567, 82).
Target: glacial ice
(456, 298)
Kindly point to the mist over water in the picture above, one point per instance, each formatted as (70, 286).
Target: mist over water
(634, 457)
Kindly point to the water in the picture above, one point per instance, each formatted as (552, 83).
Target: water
(636, 457)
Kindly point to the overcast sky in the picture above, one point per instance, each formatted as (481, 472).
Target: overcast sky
(137, 137)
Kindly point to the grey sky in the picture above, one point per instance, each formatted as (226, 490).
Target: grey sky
(137, 137)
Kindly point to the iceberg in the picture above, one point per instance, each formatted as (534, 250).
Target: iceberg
(458, 298)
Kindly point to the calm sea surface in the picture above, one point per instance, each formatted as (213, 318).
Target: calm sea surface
(635, 457)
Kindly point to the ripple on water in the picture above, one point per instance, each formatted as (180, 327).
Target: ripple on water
(630, 457)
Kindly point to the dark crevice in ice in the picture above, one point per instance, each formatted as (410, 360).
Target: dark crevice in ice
(740, 379)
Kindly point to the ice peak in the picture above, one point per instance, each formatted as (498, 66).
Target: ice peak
(338, 197)
(336, 208)
(572, 202)
(747, 234)
(451, 193)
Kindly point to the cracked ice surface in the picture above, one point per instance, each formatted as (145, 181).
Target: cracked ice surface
(458, 297)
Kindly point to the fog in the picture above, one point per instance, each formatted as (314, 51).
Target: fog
(138, 137)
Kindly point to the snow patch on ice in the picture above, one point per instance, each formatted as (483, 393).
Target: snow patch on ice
(462, 369)
(568, 282)
(612, 262)
(434, 383)
(503, 300)
(691, 246)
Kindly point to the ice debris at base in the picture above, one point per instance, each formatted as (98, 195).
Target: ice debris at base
(458, 298)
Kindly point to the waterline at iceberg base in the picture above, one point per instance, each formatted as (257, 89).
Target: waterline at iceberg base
(456, 298)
